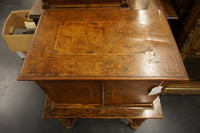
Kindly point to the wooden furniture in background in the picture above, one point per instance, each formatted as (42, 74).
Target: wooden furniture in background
(164, 5)
(38, 5)
(185, 10)
(84, 3)
(183, 88)
(188, 39)
(102, 63)
(168, 8)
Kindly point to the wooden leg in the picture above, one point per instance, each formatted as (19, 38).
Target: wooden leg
(68, 122)
(135, 123)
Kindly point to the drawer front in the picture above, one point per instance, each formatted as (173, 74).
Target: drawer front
(129, 92)
(72, 92)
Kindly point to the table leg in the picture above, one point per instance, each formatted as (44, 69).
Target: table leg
(68, 122)
(135, 123)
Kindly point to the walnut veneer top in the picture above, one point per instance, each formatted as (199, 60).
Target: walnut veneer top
(96, 44)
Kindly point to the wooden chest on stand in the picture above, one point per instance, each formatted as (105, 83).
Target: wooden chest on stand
(103, 63)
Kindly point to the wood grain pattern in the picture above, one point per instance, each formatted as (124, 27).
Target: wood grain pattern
(100, 93)
(73, 92)
(62, 111)
(99, 45)
(97, 63)
(129, 92)
(164, 5)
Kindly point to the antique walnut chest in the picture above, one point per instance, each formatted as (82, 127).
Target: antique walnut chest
(102, 63)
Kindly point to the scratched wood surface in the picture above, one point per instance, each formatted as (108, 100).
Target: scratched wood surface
(103, 44)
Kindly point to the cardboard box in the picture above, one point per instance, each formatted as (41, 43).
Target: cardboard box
(18, 42)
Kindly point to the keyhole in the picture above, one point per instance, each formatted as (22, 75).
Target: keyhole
(109, 93)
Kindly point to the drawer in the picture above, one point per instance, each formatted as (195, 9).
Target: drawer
(72, 92)
(129, 92)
